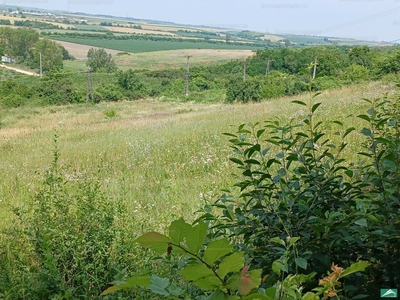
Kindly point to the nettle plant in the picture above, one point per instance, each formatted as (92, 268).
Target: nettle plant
(219, 272)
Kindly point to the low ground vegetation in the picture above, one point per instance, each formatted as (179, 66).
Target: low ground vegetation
(76, 224)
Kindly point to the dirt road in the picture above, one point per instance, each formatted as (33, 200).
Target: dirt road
(19, 70)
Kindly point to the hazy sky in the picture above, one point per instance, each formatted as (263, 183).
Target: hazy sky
(377, 20)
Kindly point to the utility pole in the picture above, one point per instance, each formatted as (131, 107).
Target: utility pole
(40, 61)
(244, 71)
(89, 90)
(268, 65)
(315, 67)
(187, 76)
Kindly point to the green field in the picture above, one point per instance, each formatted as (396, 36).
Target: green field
(138, 46)
(166, 153)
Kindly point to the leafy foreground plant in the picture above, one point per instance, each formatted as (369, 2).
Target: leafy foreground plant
(218, 272)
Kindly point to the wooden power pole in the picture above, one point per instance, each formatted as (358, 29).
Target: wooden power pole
(40, 62)
(268, 66)
(90, 91)
(187, 76)
(244, 71)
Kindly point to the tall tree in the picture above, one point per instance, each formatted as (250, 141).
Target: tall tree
(98, 60)
(52, 55)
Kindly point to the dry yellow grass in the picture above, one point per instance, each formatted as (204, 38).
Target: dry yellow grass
(80, 51)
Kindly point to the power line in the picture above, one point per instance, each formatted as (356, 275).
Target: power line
(361, 20)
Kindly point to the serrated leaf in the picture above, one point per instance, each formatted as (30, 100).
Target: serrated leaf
(301, 262)
(174, 290)
(232, 263)
(195, 272)
(178, 230)
(195, 238)
(155, 241)
(217, 295)
(355, 267)
(158, 285)
(216, 249)
(209, 283)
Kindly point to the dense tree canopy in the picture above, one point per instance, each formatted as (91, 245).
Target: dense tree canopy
(99, 60)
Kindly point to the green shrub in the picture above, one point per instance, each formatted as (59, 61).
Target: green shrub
(70, 232)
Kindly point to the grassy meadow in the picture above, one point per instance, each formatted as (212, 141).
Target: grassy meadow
(164, 159)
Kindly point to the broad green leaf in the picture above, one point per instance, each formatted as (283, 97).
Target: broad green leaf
(232, 263)
(301, 262)
(278, 241)
(138, 280)
(310, 296)
(195, 272)
(216, 249)
(196, 236)
(158, 285)
(174, 290)
(355, 267)
(278, 266)
(361, 222)
(293, 240)
(111, 289)
(178, 230)
(209, 283)
(256, 277)
(155, 241)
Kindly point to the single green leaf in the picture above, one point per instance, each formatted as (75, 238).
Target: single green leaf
(315, 106)
(299, 102)
(178, 230)
(111, 290)
(348, 130)
(209, 283)
(195, 272)
(232, 263)
(195, 237)
(278, 266)
(137, 280)
(310, 296)
(293, 240)
(174, 290)
(236, 161)
(216, 249)
(155, 241)
(364, 117)
(301, 262)
(355, 267)
(361, 222)
(158, 285)
(278, 241)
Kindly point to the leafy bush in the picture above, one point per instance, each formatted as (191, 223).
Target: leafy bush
(70, 232)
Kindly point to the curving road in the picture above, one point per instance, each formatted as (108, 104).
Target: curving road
(19, 70)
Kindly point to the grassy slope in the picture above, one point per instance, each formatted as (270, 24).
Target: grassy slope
(164, 158)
